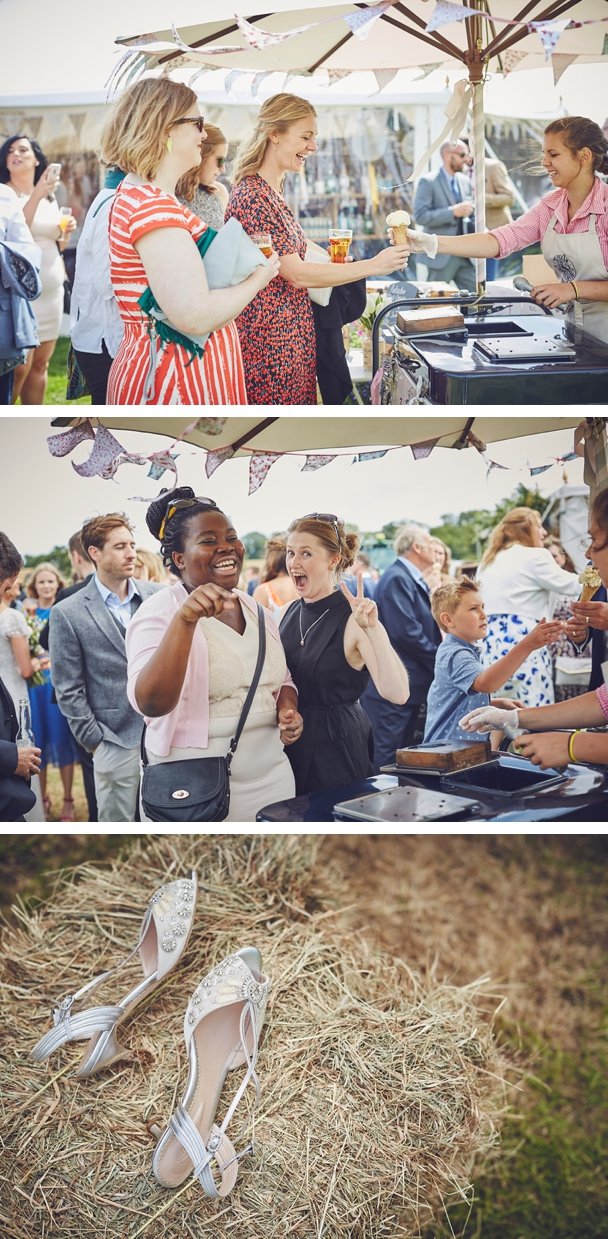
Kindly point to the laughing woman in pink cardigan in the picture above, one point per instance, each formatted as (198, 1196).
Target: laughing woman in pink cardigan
(192, 653)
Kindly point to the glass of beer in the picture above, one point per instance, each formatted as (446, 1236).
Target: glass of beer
(263, 240)
(65, 215)
(339, 243)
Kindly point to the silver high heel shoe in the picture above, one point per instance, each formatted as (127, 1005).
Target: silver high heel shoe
(222, 1029)
(162, 941)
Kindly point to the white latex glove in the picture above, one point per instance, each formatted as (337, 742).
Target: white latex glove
(490, 718)
(422, 242)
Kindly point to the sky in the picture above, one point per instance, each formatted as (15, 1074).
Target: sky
(43, 501)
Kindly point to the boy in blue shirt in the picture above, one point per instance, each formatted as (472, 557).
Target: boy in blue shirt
(461, 684)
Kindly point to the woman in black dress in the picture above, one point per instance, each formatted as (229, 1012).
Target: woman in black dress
(333, 642)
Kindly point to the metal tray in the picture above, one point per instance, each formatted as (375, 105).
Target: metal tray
(406, 804)
(417, 772)
(537, 348)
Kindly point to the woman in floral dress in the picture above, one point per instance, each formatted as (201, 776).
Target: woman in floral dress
(277, 328)
(155, 135)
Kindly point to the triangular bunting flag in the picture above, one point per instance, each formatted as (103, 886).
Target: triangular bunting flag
(259, 466)
(549, 34)
(312, 463)
(559, 63)
(105, 449)
(361, 457)
(232, 78)
(265, 38)
(64, 443)
(420, 451)
(536, 469)
(384, 76)
(445, 12)
(361, 23)
(256, 82)
(510, 60)
(213, 460)
(160, 462)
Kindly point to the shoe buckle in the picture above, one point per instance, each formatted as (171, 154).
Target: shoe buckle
(62, 1012)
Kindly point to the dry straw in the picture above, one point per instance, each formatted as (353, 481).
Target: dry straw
(381, 1092)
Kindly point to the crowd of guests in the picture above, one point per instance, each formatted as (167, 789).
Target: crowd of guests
(256, 314)
(355, 667)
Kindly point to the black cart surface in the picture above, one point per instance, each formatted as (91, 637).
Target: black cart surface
(489, 793)
(456, 370)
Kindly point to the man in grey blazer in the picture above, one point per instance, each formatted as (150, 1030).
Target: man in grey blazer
(442, 203)
(89, 663)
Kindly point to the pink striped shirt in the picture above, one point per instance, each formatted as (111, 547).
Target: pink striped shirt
(602, 696)
(532, 226)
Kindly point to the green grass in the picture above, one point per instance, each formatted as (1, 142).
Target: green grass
(55, 392)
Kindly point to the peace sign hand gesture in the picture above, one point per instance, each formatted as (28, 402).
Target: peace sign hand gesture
(365, 611)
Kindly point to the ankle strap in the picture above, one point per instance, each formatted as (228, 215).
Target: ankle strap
(77, 1027)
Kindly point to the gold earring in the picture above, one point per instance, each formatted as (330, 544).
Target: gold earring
(169, 144)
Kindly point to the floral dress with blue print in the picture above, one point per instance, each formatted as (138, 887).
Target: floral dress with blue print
(532, 683)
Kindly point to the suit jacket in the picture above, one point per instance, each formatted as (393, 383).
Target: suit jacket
(89, 669)
(404, 607)
(500, 194)
(598, 655)
(432, 209)
(16, 795)
(66, 592)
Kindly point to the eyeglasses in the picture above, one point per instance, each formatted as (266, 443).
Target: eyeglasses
(328, 518)
(221, 159)
(178, 506)
(199, 121)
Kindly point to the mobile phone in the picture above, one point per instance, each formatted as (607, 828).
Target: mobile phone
(54, 169)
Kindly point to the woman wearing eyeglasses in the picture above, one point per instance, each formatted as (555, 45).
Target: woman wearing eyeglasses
(192, 653)
(333, 643)
(199, 189)
(155, 134)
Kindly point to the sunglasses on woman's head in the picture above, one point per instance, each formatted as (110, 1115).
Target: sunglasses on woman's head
(199, 121)
(178, 506)
(328, 518)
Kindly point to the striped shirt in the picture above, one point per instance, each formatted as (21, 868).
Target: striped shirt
(531, 226)
(216, 378)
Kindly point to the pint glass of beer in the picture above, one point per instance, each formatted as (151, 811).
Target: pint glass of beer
(339, 243)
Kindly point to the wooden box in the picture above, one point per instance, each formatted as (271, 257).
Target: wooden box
(458, 755)
(444, 318)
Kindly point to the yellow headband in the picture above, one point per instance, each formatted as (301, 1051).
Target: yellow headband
(166, 517)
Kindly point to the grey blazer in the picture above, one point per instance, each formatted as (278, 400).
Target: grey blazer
(89, 669)
(432, 208)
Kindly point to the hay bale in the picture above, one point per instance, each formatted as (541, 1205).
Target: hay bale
(380, 1091)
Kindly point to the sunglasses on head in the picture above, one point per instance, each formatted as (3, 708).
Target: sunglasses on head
(328, 518)
(199, 121)
(178, 506)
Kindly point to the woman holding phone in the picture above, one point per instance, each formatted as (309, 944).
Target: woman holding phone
(26, 169)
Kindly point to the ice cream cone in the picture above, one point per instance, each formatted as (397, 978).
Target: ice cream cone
(588, 593)
(400, 234)
(590, 580)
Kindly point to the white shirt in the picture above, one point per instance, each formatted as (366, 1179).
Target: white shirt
(94, 315)
(525, 580)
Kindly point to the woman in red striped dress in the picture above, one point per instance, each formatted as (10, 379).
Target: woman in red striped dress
(155, 135)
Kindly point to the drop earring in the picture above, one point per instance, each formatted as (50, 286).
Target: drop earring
(169, 144)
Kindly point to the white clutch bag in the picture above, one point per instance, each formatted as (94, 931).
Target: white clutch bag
(314, 253)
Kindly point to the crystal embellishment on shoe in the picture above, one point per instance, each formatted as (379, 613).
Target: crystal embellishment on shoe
(222, 1029)
(162, 941)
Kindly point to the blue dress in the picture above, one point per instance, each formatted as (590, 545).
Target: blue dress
(51, 731)
(532, 684)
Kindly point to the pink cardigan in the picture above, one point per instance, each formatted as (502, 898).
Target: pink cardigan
(187, 726)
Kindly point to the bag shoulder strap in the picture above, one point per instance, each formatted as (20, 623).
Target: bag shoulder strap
(248, 700)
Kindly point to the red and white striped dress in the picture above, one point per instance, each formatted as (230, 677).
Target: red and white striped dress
(217, 377)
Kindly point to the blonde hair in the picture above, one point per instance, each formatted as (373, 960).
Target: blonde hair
(333, 537)
(153, 563)
(448, 597)
(276, 115)
(189, 183)
(135, 135)
(31, 590)
(447, 555)
(518, 527)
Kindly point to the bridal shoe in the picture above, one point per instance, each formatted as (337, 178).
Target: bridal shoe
(162, 941)
(222, 1029)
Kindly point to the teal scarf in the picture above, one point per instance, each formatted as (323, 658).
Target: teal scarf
(167, 333)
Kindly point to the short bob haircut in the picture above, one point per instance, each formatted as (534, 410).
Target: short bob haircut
(448, 597)
(95, 532)
(134, 137)
(43, 162)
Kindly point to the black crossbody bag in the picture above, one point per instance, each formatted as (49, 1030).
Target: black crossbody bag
(196, 790)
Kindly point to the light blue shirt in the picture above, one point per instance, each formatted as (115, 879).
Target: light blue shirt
(451, 695)
(414, 571)
(122, 610)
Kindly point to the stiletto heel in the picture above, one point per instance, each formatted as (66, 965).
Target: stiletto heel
(162, 941)
(222, 1030)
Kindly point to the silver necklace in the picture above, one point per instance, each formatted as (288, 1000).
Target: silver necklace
(303, 635)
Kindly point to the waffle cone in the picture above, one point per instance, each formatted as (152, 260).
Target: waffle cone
(400, 234)
(587, 592)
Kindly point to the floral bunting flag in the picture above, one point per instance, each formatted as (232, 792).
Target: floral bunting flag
(215, 459)
(105, 449)
(420, 451)
(361, 23)
(220, 50)
(266, 38)
(312, 463)
(161, 461)
(510, 60)
(361, 457)
(336, 75)
(559, 63)
(445, 12)
(549, 34)
(64, 443)
(259, 466)
(384, 76)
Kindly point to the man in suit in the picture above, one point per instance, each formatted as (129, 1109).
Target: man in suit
(16, 764)
(404, 607)
(442, 203)
(87, 643)
(594, 616)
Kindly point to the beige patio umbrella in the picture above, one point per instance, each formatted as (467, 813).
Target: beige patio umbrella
(497, 36)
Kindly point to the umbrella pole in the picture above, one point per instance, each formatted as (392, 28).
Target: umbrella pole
(479, 156)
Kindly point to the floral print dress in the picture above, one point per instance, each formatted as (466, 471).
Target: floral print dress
(532, 683)
(276, 329)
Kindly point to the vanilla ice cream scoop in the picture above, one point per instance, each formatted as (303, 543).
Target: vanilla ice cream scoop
(590, 580)
(398, 221)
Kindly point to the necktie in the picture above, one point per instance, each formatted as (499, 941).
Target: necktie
(456, 190)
